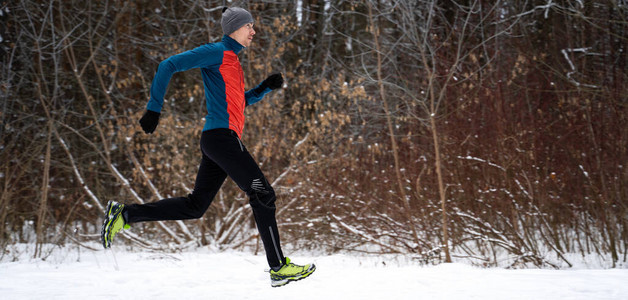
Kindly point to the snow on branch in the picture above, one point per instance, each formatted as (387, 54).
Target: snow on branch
(365, 235)
(484, 161)
(573, 67)
(545, 7)
(77, 173)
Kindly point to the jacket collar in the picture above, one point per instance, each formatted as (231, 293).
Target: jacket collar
(231, 44)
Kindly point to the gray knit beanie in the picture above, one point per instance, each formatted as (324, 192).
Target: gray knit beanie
(233, 18)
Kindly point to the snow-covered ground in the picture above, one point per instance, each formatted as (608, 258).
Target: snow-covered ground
(202, 274)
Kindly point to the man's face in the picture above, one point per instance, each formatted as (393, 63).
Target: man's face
(244, 35)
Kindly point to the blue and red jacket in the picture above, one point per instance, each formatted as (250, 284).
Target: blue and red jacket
(223, 80)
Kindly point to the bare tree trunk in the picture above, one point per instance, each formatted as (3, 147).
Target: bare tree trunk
(610, 225)
(391, 131)
(43, 203)
(432, 115)
(441, 188)
(41, 213)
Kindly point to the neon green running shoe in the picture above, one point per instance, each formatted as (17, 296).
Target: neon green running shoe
(290, 272)
(114, 222)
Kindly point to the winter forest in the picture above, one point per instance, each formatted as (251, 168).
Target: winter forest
(486, 132)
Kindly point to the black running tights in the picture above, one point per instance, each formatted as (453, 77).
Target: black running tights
(223, 154)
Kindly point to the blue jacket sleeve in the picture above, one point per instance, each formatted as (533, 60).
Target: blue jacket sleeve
(253, 96)
(203, 56)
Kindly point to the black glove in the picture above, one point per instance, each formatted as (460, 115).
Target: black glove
(273, 82)
(149, 121)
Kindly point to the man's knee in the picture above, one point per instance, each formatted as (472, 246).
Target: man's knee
(198, 204)
(261, 191)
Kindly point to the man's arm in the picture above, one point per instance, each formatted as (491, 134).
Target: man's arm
(203, 56)
(256, 94)
(274, 81)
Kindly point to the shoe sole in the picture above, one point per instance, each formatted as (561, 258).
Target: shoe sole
(106, 226)
(282, 282)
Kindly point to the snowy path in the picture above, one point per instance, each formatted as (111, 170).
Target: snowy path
(205, 275)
